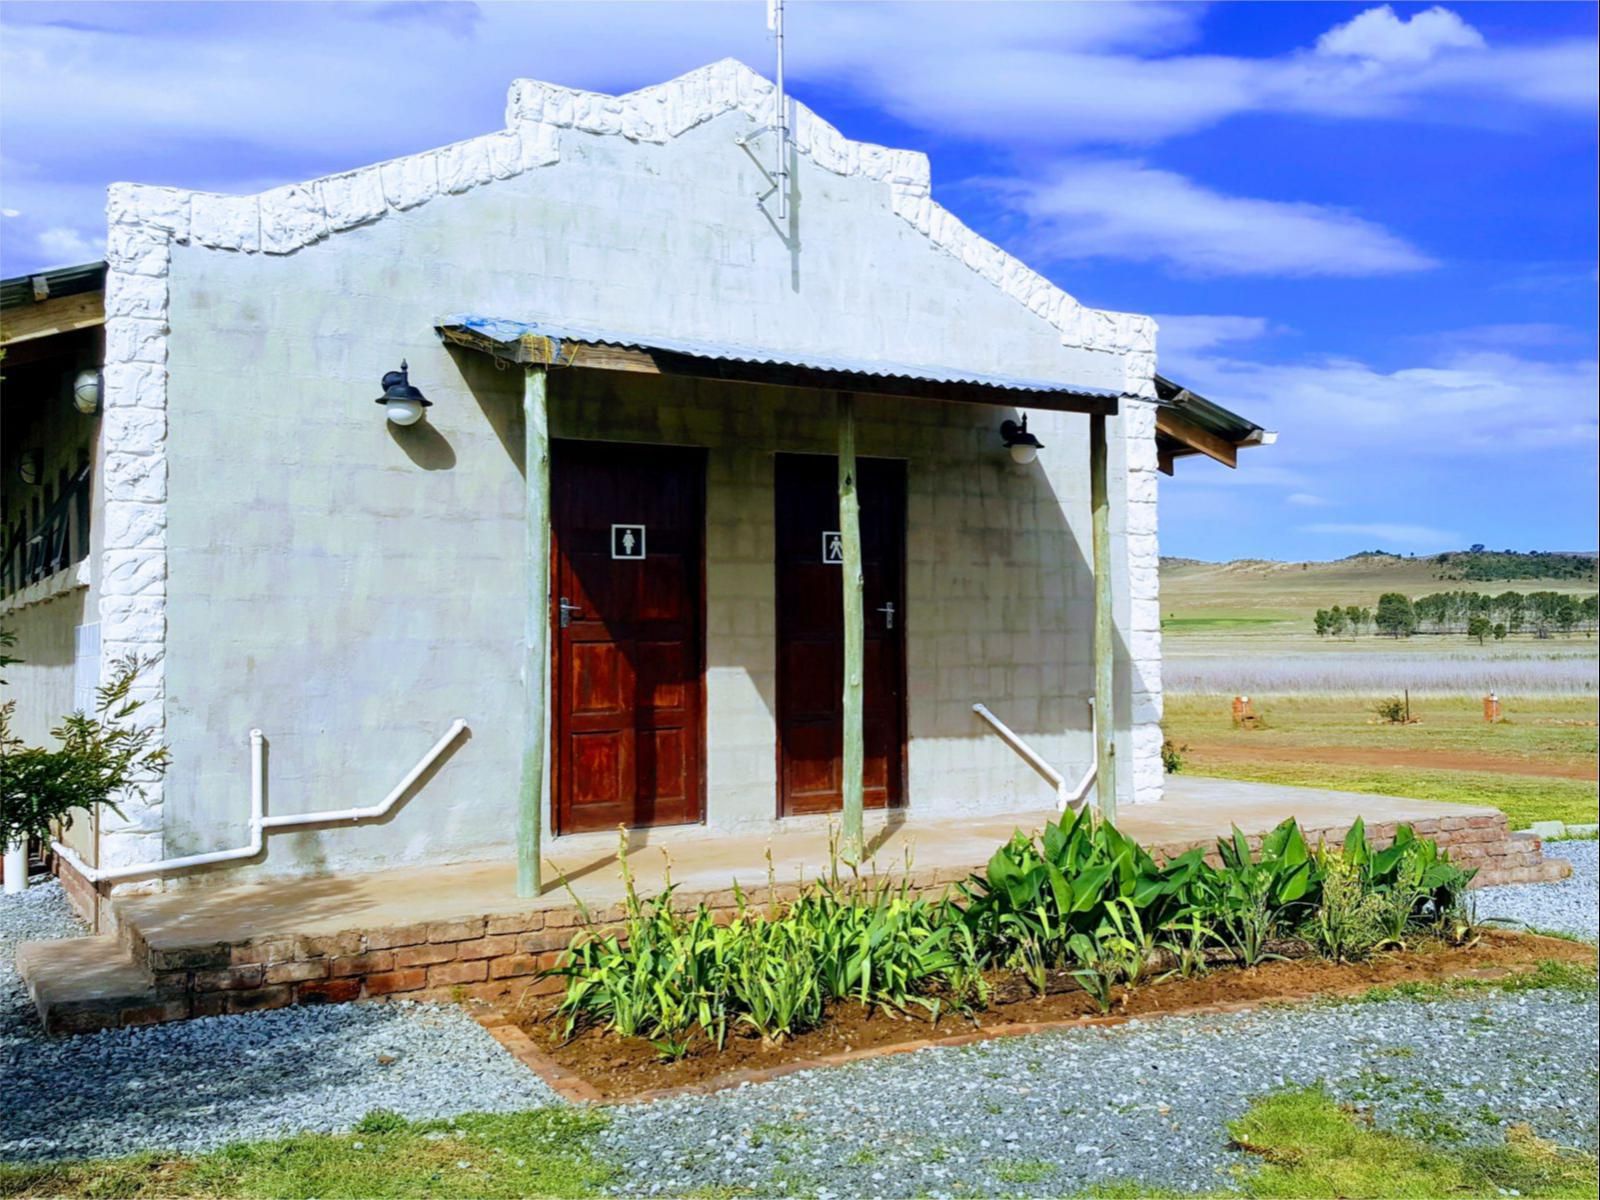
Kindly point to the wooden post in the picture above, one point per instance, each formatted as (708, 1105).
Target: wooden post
(854, 707)
(1105, 750)
(536, 636)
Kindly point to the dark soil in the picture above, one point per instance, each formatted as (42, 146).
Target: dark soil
(621, 1068)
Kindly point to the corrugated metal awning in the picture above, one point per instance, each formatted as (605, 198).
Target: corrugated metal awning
(559, 344)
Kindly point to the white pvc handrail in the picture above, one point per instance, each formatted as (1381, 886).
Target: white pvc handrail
(260, 823)
(1065, 798)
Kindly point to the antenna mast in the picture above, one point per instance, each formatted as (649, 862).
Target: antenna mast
(780, 124)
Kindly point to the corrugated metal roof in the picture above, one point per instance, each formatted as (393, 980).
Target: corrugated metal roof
(514, 334)
(59, 281)
(1211, 417)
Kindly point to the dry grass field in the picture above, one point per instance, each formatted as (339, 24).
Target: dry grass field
(1245, 629)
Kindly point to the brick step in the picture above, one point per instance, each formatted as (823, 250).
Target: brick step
(84, 984)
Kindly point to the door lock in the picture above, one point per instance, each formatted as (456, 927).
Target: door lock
(568, 611)
(888, 615)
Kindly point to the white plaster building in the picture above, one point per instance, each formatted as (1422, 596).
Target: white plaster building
(291, 562)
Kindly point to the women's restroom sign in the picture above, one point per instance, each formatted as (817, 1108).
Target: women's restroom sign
(627, 541)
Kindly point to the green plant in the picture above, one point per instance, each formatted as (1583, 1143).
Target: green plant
(1251, 899)
(1097, 971)
(1391, 709)
(1189, 936)
(101, 756)
(1350, 921)
(1172, 756)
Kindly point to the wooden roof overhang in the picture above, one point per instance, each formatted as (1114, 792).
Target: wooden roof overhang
(1188, 424)
(49, 303)
(540, 344)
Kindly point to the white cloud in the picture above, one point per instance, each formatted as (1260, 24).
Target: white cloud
(1129, 210)
(1188, 333)
(61, 246)
(1379, 35)
(1389, 536)
(1305, 500)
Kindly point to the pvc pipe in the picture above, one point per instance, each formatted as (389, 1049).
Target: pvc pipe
(1065, 798)
(16, 868)
(260, 823)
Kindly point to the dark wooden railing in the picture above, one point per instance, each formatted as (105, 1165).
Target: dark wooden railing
(60, 539)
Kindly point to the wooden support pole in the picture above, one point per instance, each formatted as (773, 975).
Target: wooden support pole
(854, 706)
(536, 637)
(1105, 750)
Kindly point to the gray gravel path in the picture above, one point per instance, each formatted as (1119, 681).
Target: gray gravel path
(1571, 906)
(1053, 1113)
(200, 1084)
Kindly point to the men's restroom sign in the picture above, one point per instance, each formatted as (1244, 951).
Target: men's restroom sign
(832, 547)
(627, 541)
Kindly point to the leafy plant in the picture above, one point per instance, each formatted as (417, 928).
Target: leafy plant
(1351, 920)
(101, 756)
(1391, 709)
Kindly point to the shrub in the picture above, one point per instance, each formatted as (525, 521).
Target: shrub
(1172, 756)
(100, 756)
(1392, 710)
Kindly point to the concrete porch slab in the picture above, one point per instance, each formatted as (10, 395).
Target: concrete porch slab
(452, 929)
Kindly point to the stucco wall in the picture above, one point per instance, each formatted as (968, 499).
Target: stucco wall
(351, 588)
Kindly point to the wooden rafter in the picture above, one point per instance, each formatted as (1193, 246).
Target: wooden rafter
(63, 314)
(1180, 429)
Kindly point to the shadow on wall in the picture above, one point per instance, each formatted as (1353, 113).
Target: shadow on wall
(424, 445)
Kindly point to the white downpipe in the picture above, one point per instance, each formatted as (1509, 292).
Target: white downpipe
(16, 868)
(260, 823)
(1065, 797)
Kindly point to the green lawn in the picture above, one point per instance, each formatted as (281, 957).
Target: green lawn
(1523, 798)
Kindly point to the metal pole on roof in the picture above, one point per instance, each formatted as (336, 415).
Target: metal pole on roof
(781, 124)
(536, 630)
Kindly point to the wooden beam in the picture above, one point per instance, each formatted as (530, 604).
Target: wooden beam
(536, 635)
(49, 317)
(855, 637)
(1105, 709)
(600, 356)
(1164, 459)
(1181, 429)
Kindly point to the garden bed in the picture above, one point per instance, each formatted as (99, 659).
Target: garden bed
(618, 1068)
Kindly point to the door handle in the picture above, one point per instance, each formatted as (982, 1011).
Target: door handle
(888, 615)
(568, 611)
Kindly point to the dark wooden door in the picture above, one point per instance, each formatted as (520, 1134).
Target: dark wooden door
(628, 687)
(811, 634)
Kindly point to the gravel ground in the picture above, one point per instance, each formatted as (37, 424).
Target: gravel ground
(1033, 1116)
(1569, 906)
(1052, 1113)
(200, 1084)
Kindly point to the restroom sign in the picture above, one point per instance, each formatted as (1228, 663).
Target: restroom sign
(832, 547)
(627, 541)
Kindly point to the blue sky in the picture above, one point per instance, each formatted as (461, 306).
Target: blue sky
(1371, 228)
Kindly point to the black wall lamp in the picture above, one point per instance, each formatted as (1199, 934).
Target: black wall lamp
(1023, 445)
(403, 404)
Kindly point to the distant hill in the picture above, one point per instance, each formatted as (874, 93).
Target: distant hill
(1198, 594)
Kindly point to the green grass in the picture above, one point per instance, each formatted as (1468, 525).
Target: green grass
(546, 1152)
(1523, 798)
(1311, 1147)
(1217, 624)
(1024, 1170)
(1546, 975)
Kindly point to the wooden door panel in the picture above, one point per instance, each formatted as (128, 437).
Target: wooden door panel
(811, 634)
(629, 721)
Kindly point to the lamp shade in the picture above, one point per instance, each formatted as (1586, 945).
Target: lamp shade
(403, 403)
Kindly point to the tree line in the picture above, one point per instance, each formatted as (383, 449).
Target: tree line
(1477, 615)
